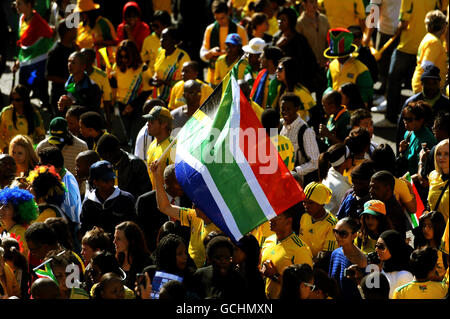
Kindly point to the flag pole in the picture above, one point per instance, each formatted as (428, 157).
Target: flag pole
(47, 261)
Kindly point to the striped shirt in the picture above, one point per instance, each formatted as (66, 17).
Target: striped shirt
(309, 144)
(69, 152)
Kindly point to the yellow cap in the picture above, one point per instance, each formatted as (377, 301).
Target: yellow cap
(318, 193)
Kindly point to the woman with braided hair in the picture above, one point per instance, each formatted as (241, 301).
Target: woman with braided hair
(49, 191)
(17, 210)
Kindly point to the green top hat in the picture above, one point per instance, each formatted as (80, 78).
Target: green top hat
(340, 42)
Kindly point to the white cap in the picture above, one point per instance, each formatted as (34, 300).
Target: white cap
(255, 46)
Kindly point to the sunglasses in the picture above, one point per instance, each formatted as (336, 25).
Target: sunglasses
(279, 69)
(341, 233)
(380, 246)
(310, 285)
(409, 119)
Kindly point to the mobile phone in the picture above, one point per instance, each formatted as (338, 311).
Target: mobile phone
(140, 279)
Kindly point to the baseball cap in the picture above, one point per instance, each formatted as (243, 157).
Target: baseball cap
(102, 170)
(57, 131)
(430, 71)
(374, 207)
(158, 112)
(255, 46)
(234, 38)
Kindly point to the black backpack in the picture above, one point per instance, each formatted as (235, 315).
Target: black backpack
(314, 175)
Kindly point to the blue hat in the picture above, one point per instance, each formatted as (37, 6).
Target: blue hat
(430, 71)
(234, 38)
(102, 170)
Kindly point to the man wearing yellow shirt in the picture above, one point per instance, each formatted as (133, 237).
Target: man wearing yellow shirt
(281, 250)
(227, 61)
(159, 125)
(423, 264)
(195, 219)
(168, 64)
(316, 226)
(270, 120)
(403, 61)
(215, 35)
(344, 13)
(189, 71)
(101, 79)
(159, 21)
(432, 49)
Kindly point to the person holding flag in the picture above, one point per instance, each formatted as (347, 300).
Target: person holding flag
(35, 41)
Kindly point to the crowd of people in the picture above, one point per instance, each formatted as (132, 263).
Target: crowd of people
(90, 205)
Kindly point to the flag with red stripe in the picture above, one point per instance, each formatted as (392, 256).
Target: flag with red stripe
(227, 165)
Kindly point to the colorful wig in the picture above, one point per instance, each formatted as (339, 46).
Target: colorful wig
(24, 206)
(47, 184)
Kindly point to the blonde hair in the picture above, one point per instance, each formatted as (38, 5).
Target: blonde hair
(440, 145)
(26, 142)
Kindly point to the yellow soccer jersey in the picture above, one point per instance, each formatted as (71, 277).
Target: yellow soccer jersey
(155, 151)
(414, 12)
(366, 247)
(168, 68)
(436, 187)
(223, 33)
(176, 95)
(199, 231)
(262, 232)
(286, 150)
(431, 49)
(421, 290)
(343, 13)
(101, 79)
(291, 250)
(318, 235)
(222, 68)
(149, 51)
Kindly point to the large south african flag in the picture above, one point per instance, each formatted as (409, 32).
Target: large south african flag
(227, 165)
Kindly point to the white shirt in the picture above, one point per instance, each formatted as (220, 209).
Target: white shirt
(339, 185)
(388, 17)
(143, 141)
(397, 279)
(309, 144)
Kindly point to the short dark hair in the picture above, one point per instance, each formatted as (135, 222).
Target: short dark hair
(107, 143)
(273, 53)
(51, 155)
(163, 17)
(383, 156)
(62, 28)
(358, 115)
(219, 6)
(422, 261)
(270, 118)
(218, 242)
(92, 120)
(334, 97)
(76, 110)
(375, 291)
(441, 121)
(385, 178)
(358, 140)
(40, 234)
(291, 97)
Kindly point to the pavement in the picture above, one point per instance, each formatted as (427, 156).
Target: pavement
(381, 135)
